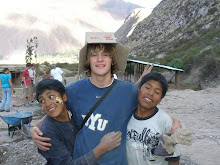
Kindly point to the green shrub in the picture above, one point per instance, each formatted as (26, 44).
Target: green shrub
(176, 64)
(71, 67)
(211, 11)
(197, 87)
(47, 64)
(187, 60)
(210, 69)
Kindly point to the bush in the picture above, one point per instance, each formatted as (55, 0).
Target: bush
(46, 63)
(71, 67)
(210, 69)
(187, 60)
(176, 64)
(211, 11)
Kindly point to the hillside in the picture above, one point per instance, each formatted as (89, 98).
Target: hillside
(59, 26)
(182, 34)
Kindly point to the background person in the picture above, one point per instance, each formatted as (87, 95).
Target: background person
(57, 73)
(33, 75)
(47, 74)
(7, 88)
(27, 84)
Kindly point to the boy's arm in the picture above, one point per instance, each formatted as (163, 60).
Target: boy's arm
(147, 70)
(176, 125)
(59, 154)
(37, 136)
(108, 142)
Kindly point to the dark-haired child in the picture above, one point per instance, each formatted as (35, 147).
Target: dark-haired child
(148, 124)
(60, 127)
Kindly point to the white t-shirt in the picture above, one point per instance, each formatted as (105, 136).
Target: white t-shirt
(57, 74)
(143, 136)
(32, 74)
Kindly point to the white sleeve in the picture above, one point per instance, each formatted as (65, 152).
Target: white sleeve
(60, 70)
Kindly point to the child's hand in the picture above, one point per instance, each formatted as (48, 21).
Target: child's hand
(110, 141)
(41, 142)
(180, 136)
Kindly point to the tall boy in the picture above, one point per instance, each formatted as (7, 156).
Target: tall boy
(61, 129)
(148, 123)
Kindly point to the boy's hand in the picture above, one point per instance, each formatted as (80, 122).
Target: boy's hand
(180, 136)
(147, 70)
(41, 142)
(110, 141)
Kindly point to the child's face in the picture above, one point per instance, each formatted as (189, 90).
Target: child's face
(150, 95)
(53, 104)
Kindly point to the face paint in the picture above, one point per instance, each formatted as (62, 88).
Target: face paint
(59, 100)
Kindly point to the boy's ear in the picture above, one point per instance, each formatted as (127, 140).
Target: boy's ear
(64, 97)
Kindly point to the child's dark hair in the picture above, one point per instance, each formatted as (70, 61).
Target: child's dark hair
(50, 84)
(157, 77)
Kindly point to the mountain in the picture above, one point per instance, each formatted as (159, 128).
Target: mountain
(182, 34)
(59, 26)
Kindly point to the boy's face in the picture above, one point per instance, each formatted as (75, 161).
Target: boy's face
(149, 95)
(100, 63)
(53, 104)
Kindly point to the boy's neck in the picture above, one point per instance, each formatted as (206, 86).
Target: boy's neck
(63, 117)
(142, 113)
(101, 81)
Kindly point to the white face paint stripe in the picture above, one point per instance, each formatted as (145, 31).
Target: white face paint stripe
(59, 100)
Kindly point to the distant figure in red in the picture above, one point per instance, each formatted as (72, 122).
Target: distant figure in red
(27, 84)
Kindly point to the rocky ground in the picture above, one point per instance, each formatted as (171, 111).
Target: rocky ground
(198, 110)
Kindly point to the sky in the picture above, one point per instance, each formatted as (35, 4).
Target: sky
(145, 3)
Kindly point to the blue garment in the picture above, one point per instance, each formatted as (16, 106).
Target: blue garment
(62, 136)
(6, 96)
(6, 90)
(112, 114)
(4, 78)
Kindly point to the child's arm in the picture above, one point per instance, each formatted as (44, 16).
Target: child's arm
(59, 154)
(176, 125)
(147, 70)
(107, 143)
(37, 136)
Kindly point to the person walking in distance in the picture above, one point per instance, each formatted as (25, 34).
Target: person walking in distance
(57, 73)
(7, 88)
(27, 84)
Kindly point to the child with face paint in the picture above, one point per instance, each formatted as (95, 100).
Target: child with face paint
(60, 128)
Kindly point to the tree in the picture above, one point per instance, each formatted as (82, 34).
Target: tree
(31, 50)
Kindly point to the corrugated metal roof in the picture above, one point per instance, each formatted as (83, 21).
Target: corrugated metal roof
(157, 65)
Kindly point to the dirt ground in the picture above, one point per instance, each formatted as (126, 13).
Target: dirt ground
(197, 110)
